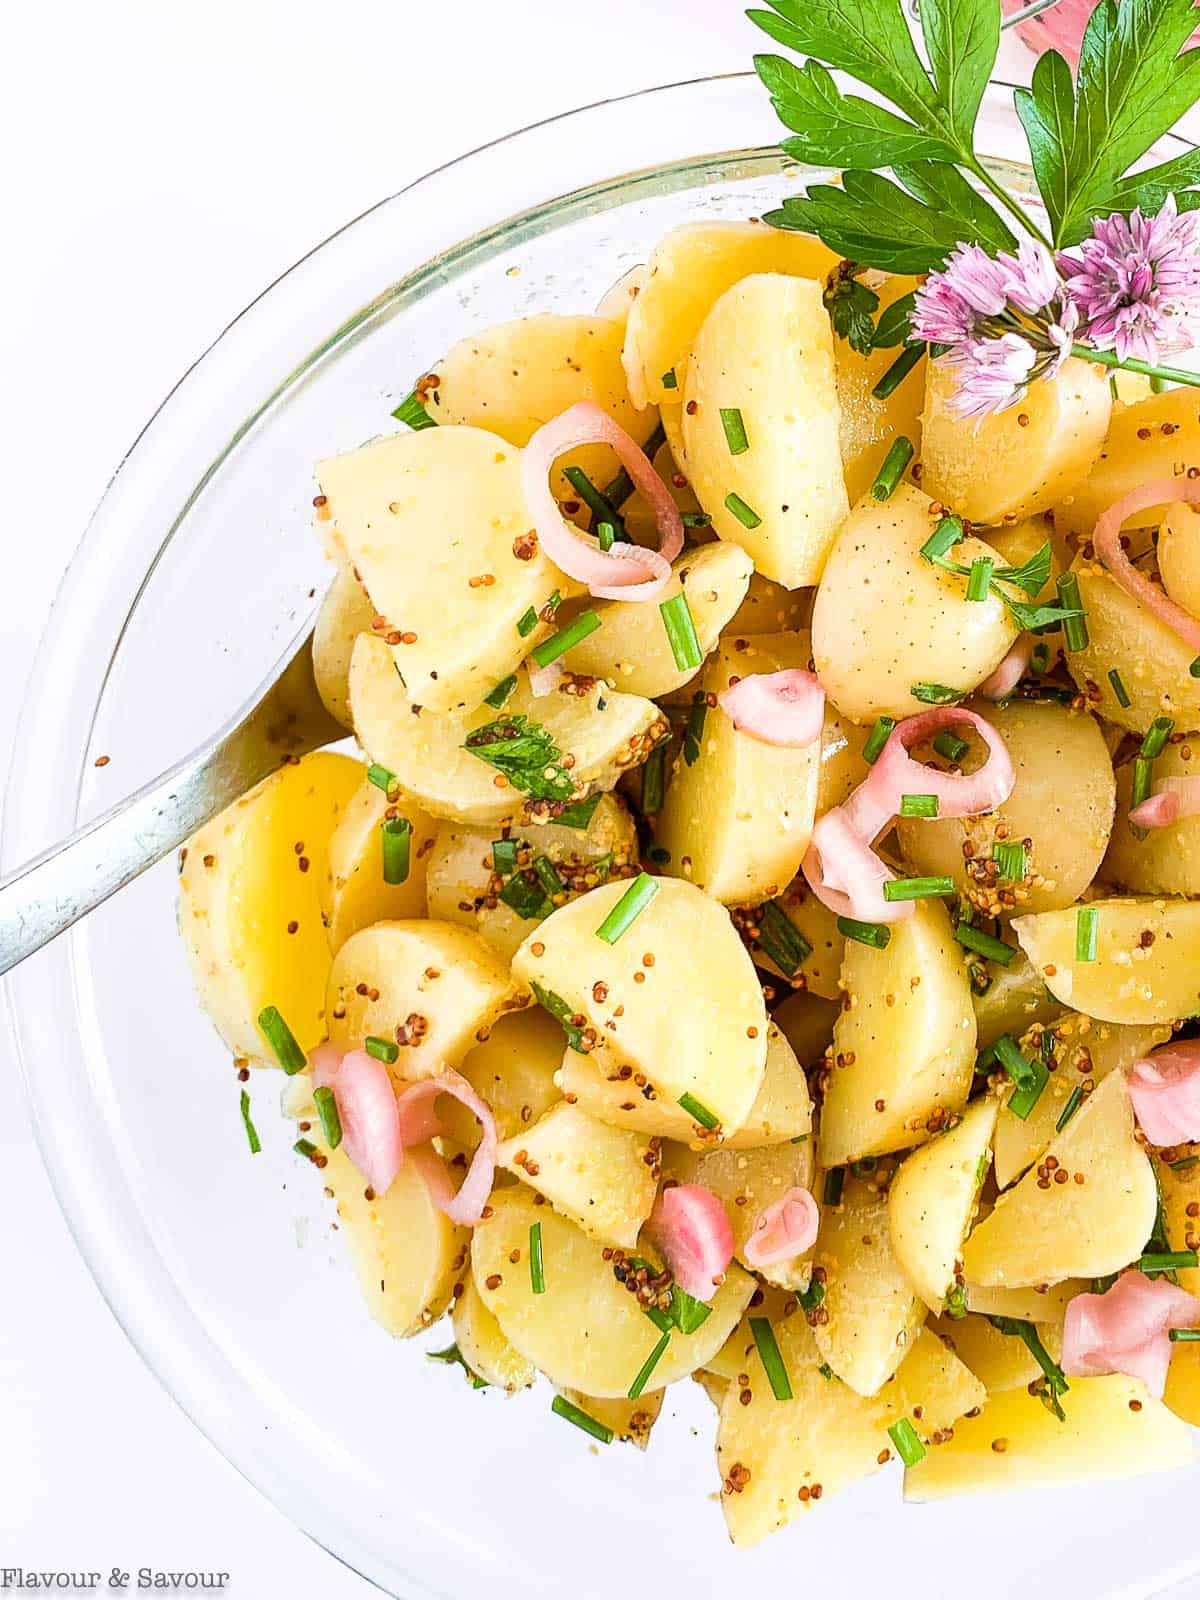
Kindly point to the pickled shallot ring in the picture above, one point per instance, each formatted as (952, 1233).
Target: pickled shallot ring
(1159, 811)
(366, 1105)
(636, 573)
(418, 1123)
(781, 708)
(692, 1229)
(846, 875)
(783, 1230)
(1106, 537)
(1164, 1090)
(1010, 671)
(1186, 791)
(895, 773)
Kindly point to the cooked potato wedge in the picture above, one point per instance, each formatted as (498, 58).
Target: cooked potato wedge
(630, 1420)
(614, 303)
(345, 613)
(249, 903)
(482, 1345)
(601, 1177)
(1178, 554)
(354, 891)
(1013, 1001)
(1182, 1393)
(1158, 437)
(806, 1021)
(869, 424)
(769, 608)
(817, 926)
(1000, 1361)
(746, 1182)
(1179, 1185)
(842, 764)
(1166, 860)
(1043, 1304)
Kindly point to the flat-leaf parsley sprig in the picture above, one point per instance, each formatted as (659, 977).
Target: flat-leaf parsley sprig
(1115, 276)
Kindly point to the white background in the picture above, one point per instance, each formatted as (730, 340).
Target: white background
(161, 161)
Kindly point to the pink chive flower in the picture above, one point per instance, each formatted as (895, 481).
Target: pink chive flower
(992, 373)
(1136, 283)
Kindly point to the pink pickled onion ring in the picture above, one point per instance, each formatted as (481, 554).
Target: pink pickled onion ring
(1186, 791)
(544, 680)
(693, 1232)
(1159, 811)
(418, 1123)
(782, 708)
(1126, 1329)
(1164, 1089)
(782, 1230)
(846, 875)
(895, 773)
(366, 1107)
(1011, 670)
(634, 574)
(1106, 537)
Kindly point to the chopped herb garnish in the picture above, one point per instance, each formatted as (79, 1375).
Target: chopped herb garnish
(1071, 1107)
(950, 746)
(1039, 658)
(826, 1371)
(282, 1040)
(669, 380)
(605, 535)
(918, 805)
(527, 622)
(527, 898)
(525, 752)
(1183, 1163)
(894, 466)
(876, 934)
(955, 1302)
(898, 371)
(1056, 1379)
(396, 836)
(580, 814)
(1075, 629)
(735, 430)
(1032, 575)
(983, 944)
(621, 487)
(697, 519)
(411, 411)
(453, 1356)
(248, 1124)
(772, 1360)
(1167, 1261)
(1087, 925)
(935, 694)
(979, 583)
(877, 738)
(560, 1011)
(1157, 734)
(1194, 669)
(681, 632)
(504, 855)
(1010, 861)
(381, 777)
(746, 515)
(1143, 776)
(654, 780)
(908, 1446)
(1118, 687)
(597, 503)
(537, 1272)
(382, 1049)
(917, 888)
(628, 908)
(305, 1148)
(1027, 1094)
(780, 939)
(693, 730)
(548, 876)
(658, 855)
(331, 1123)
(811, 1297)
(501, 692)
(835, 1180)
(565, 639)
(1183, 1335)
(942, 540)
(698, 1113)
(648, 1366)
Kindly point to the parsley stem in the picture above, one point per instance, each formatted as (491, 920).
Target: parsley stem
(1006, 200)
(1109, 358)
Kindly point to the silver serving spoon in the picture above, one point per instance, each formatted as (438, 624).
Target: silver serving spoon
(284, 718)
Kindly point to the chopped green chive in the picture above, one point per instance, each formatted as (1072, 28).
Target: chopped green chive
(628, 908)
(1071, 1107)
(918, 805)
(548, 875)
(772, 1360)
(1183, 1163)
(537, 1273)
(943, 539)
(950, 746)
(983, 944)
(580, 814)
(453, 1356)
(1118, 687)
(979, 584)
(781, 940)
(693, 732)
(1010, 861)
(893, 468)
(527, 622)
(648, 1366)
(382, 1049)
(381, 777)
(282, 1040)
(597, 503)
(1183, 1335)
(877, 738)
(735, 430)
(504, 855)
(917, 888)
(697, 519)
(835, 1179)
(1027, 1094)
(501, 692)
(560, 1011)
(876, 934)
(654, 780)
(811, 1297)
(746, 515)
(562, 1407)
(669, 380)
(699, 1113)
(411, 411)
(908, 1447)
(1039, 658)
(1008, 1054)
(898, 371)
(1194, 669)
(606, 534)
(934, 694)
(396, 834)
(826, 1371)
(527, 899)
(1075, 629)
(864, 1166)
(565, 639)
(1056, 1380)
(681, 632)
(248, 1124)
(1143, 777)
(1167, 1261)
(1157, 734)
(1087, 923)
(331, 1123)
(305, 1148)
(955, 1302)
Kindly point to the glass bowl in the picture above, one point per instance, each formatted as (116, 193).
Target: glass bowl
(197, 569)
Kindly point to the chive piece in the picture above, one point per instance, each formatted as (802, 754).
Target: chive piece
(917, 888)
(1075, 629)
(598, 504)
(654, 780)
(1027, 1094)
(396, 834)
(565, 639)
(1194, 669)
(811, 1297)
(979, 584)
(1183, 1163)
(908, 1447)
(983, 944)
(1008, 1054)
(580, 814)
(735, 430)
(746, 515)
(918, 805)
(697, 519)
(893, 468)
(282, 1040)
(698, 1113)
(561, 1012)
(943, 539)
(634, 1391)
(781, 940)
(951, 746)
(331, 1123)
(548, 876)
(452, 1356)
(381, 777)
(501, 692)
(628, 908)
(1087, 921)
(1167, 1260)
(772, 1360)
(835, 1179)
(382, 1049)
(305, 1148)
(1056, 1378)
(876, 934)
(527, 622)
(681, 632)
(248, 1124)
(693, 731)
(1183, 1335)
(504, 855)
(1010, 861)
(527, 899)
(1071, 1107)
(877, 738)
(898, 371)
(934, 694)
(658, 855)
(1143, 776)
(606, 533)
(1039, 658)
(537, 1273)
(411, 410)
(955, 1302)
(669, 380)
(562, 1407)
(1157, 734)
(1103, 1285)
(826, 1371)
(1118, 687)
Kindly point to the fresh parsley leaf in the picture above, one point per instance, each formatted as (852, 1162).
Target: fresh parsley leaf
(893, 325)
(944, 189)
(839, 130)
(962, 38)
(850, 304)
(525, 752)
(1031, 575)
(1031, 617)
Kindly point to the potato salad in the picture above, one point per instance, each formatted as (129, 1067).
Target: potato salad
(750, 935)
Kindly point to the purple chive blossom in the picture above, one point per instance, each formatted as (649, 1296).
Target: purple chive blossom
(1136, 282)
(952, 303)
(992, 373)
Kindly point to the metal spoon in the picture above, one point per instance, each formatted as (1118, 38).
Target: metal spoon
(284, 718)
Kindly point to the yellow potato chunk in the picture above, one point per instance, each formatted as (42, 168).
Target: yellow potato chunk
(1013, 1001)
(1166, 860)
(483, 1346)
(769, 608)
(513, 1070)
(1019, 461)
(886, 619)
(603, 1178)
(904, 1048)
(842, 764)
(1043, 1304)
(693, 1020)
(249, 903)
(806, 1020)
(354, 891)
(630, 1420)
(345, 613)
(1145, 967)
(1182, 1392)
(1178, 552)
(869, 424)
(1158, 437)
(586, 1331)
(605, 731)
(817, 926)
(430, 986)
(766, 351)
(688, 271)
(1179, 1186)
(738, 820)
(998, 1360)
(614, 303)
(1042, 1232)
